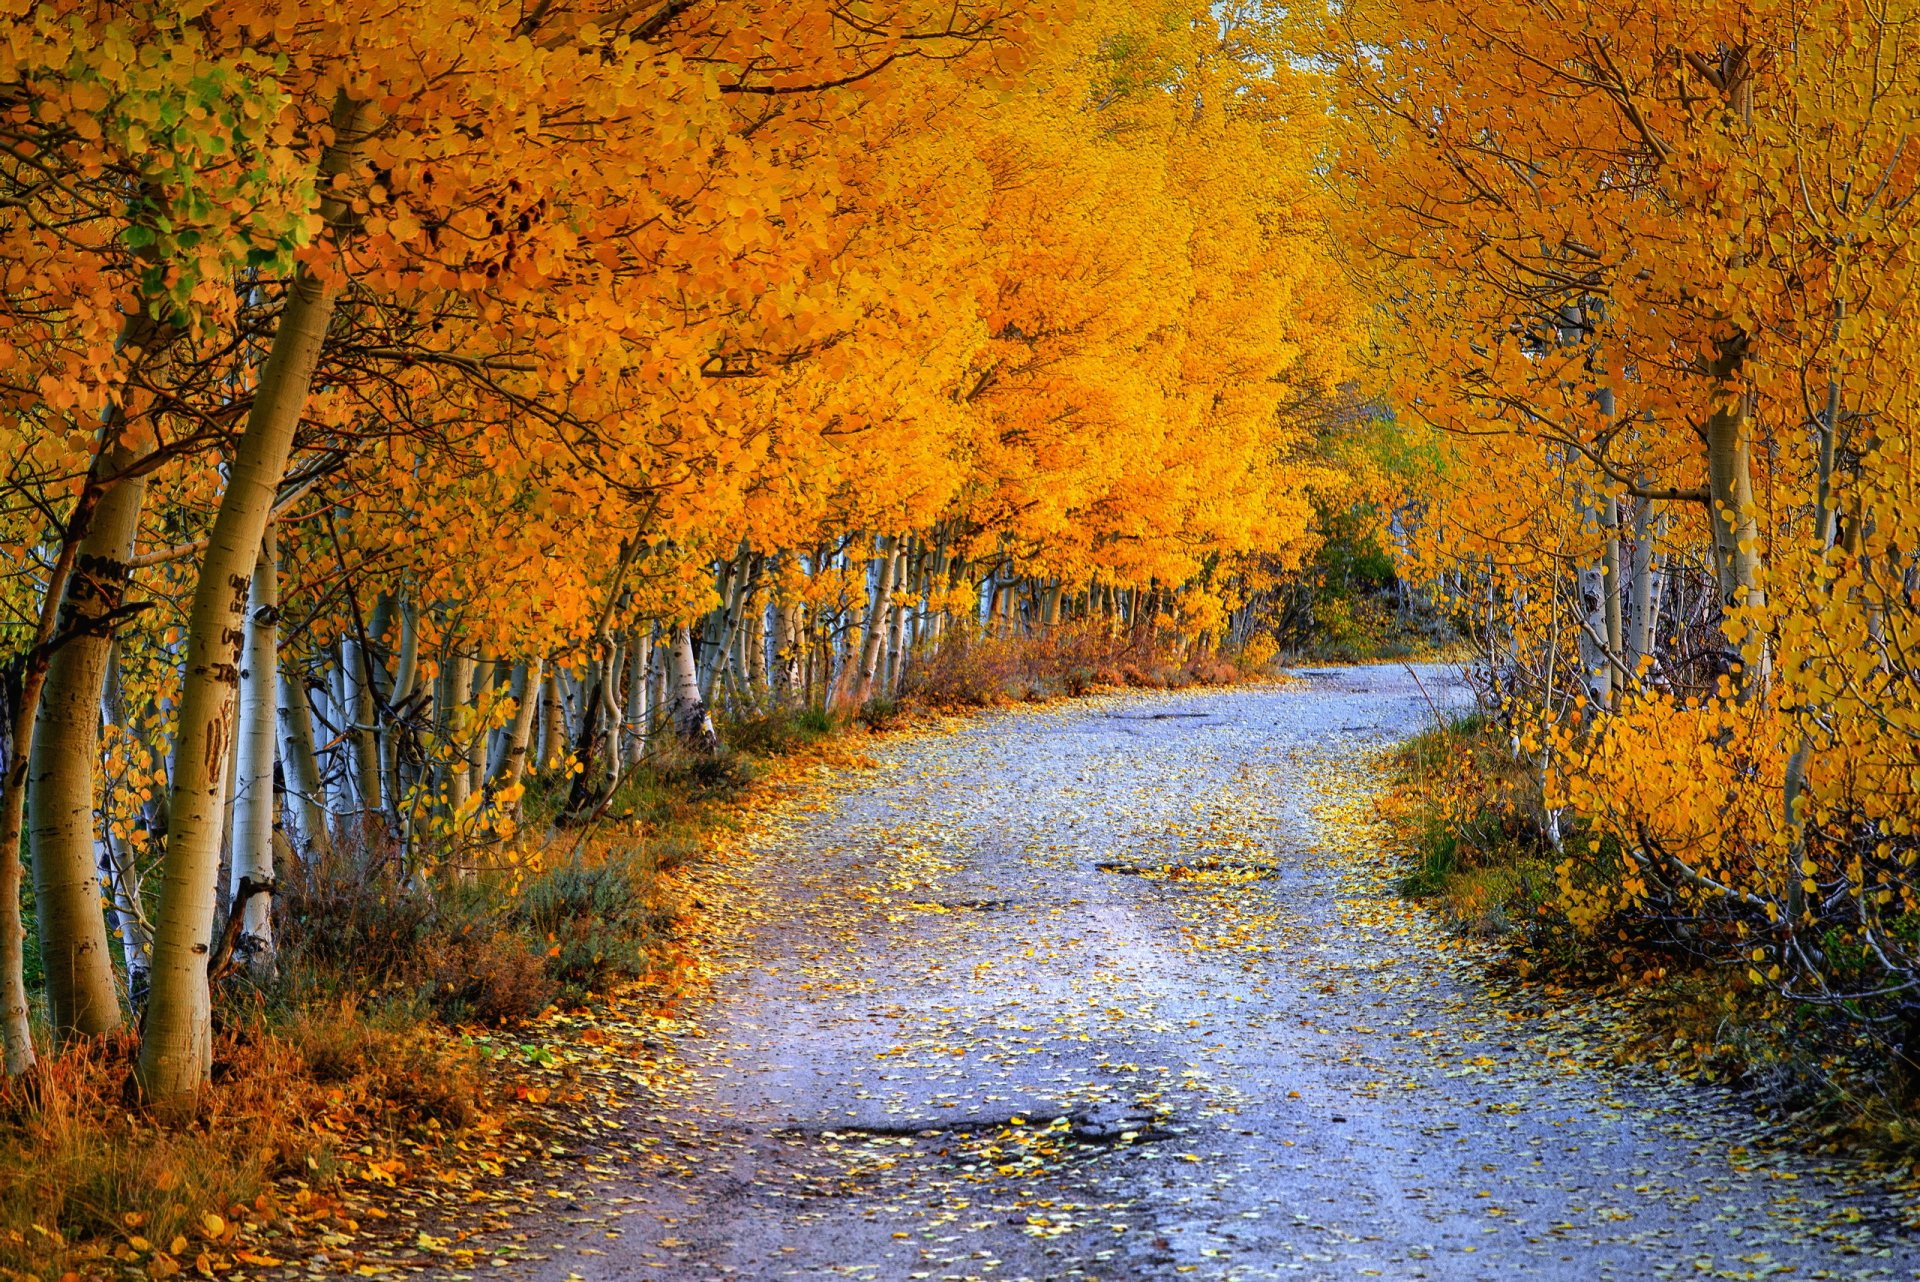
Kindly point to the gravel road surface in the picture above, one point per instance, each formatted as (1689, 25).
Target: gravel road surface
(1119, 989)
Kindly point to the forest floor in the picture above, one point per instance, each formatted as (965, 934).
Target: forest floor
(1121, 988)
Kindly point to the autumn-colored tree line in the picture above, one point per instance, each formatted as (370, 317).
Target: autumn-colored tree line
(402, 401)
(1652, 269)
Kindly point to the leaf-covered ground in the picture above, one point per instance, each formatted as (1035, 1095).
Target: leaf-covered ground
(1121, 989)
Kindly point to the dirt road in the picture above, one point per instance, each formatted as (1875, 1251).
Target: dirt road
(1120, 989)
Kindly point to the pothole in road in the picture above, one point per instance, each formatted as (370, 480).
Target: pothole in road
(863, 1160)
(1229, 871)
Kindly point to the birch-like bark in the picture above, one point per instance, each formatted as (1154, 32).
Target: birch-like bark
(253, 801)
(786, 676)
(177, 1048)
(633, 727)
(896, 620)
(301, 764)
(691, 722)
(660, 685)
(456, 729)
(363, 743)
(82, 999)
(875, 631)
(526, 695)
(617, 659)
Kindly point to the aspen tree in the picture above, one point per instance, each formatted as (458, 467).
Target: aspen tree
(81, 994)
(688, 713)
(253, 878)
(301, 762)
(176, 1045)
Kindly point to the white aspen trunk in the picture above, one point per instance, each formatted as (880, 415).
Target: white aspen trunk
(573, 707)
(875, 631)
(691, 722)
(302, 766)
(659, 682)
(252, 875)
(363, 744)
(724, 626)
(896, 617)
(786, 676)
(476, 740)
(176, 1049)
(711, 653)
(633, 727)
(75, 957)
(339, 713)
(526, 694)
(1050, 603)
(1610, 574)
(609, 694)
(121, 878)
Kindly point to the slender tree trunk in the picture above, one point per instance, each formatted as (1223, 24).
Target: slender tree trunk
(755, 641)
(1646, 596)
(302, 765)
(254, 803)
(526, 694)
(617, 660)
(176, 1050)
(456, 724)
(896, 619)
(658, 683)
(363, 743)
(553, 728)
(878, 605)
(74, 955)
(691, 722)
(476, 741)
(633, 728)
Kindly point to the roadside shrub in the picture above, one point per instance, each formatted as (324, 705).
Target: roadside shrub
(487, 977)
(600, 924)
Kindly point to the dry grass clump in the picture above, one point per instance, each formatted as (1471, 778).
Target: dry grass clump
(90, 1184)
(971, 671)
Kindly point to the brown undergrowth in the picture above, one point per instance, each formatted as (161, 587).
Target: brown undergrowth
(411, 1035)
(1068, 661)
(1478, 847)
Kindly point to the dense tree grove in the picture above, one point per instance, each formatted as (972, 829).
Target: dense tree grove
(404, 401)
(408, 403)
(1652, 272)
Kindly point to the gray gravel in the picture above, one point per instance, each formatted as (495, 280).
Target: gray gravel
(957, 1046)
